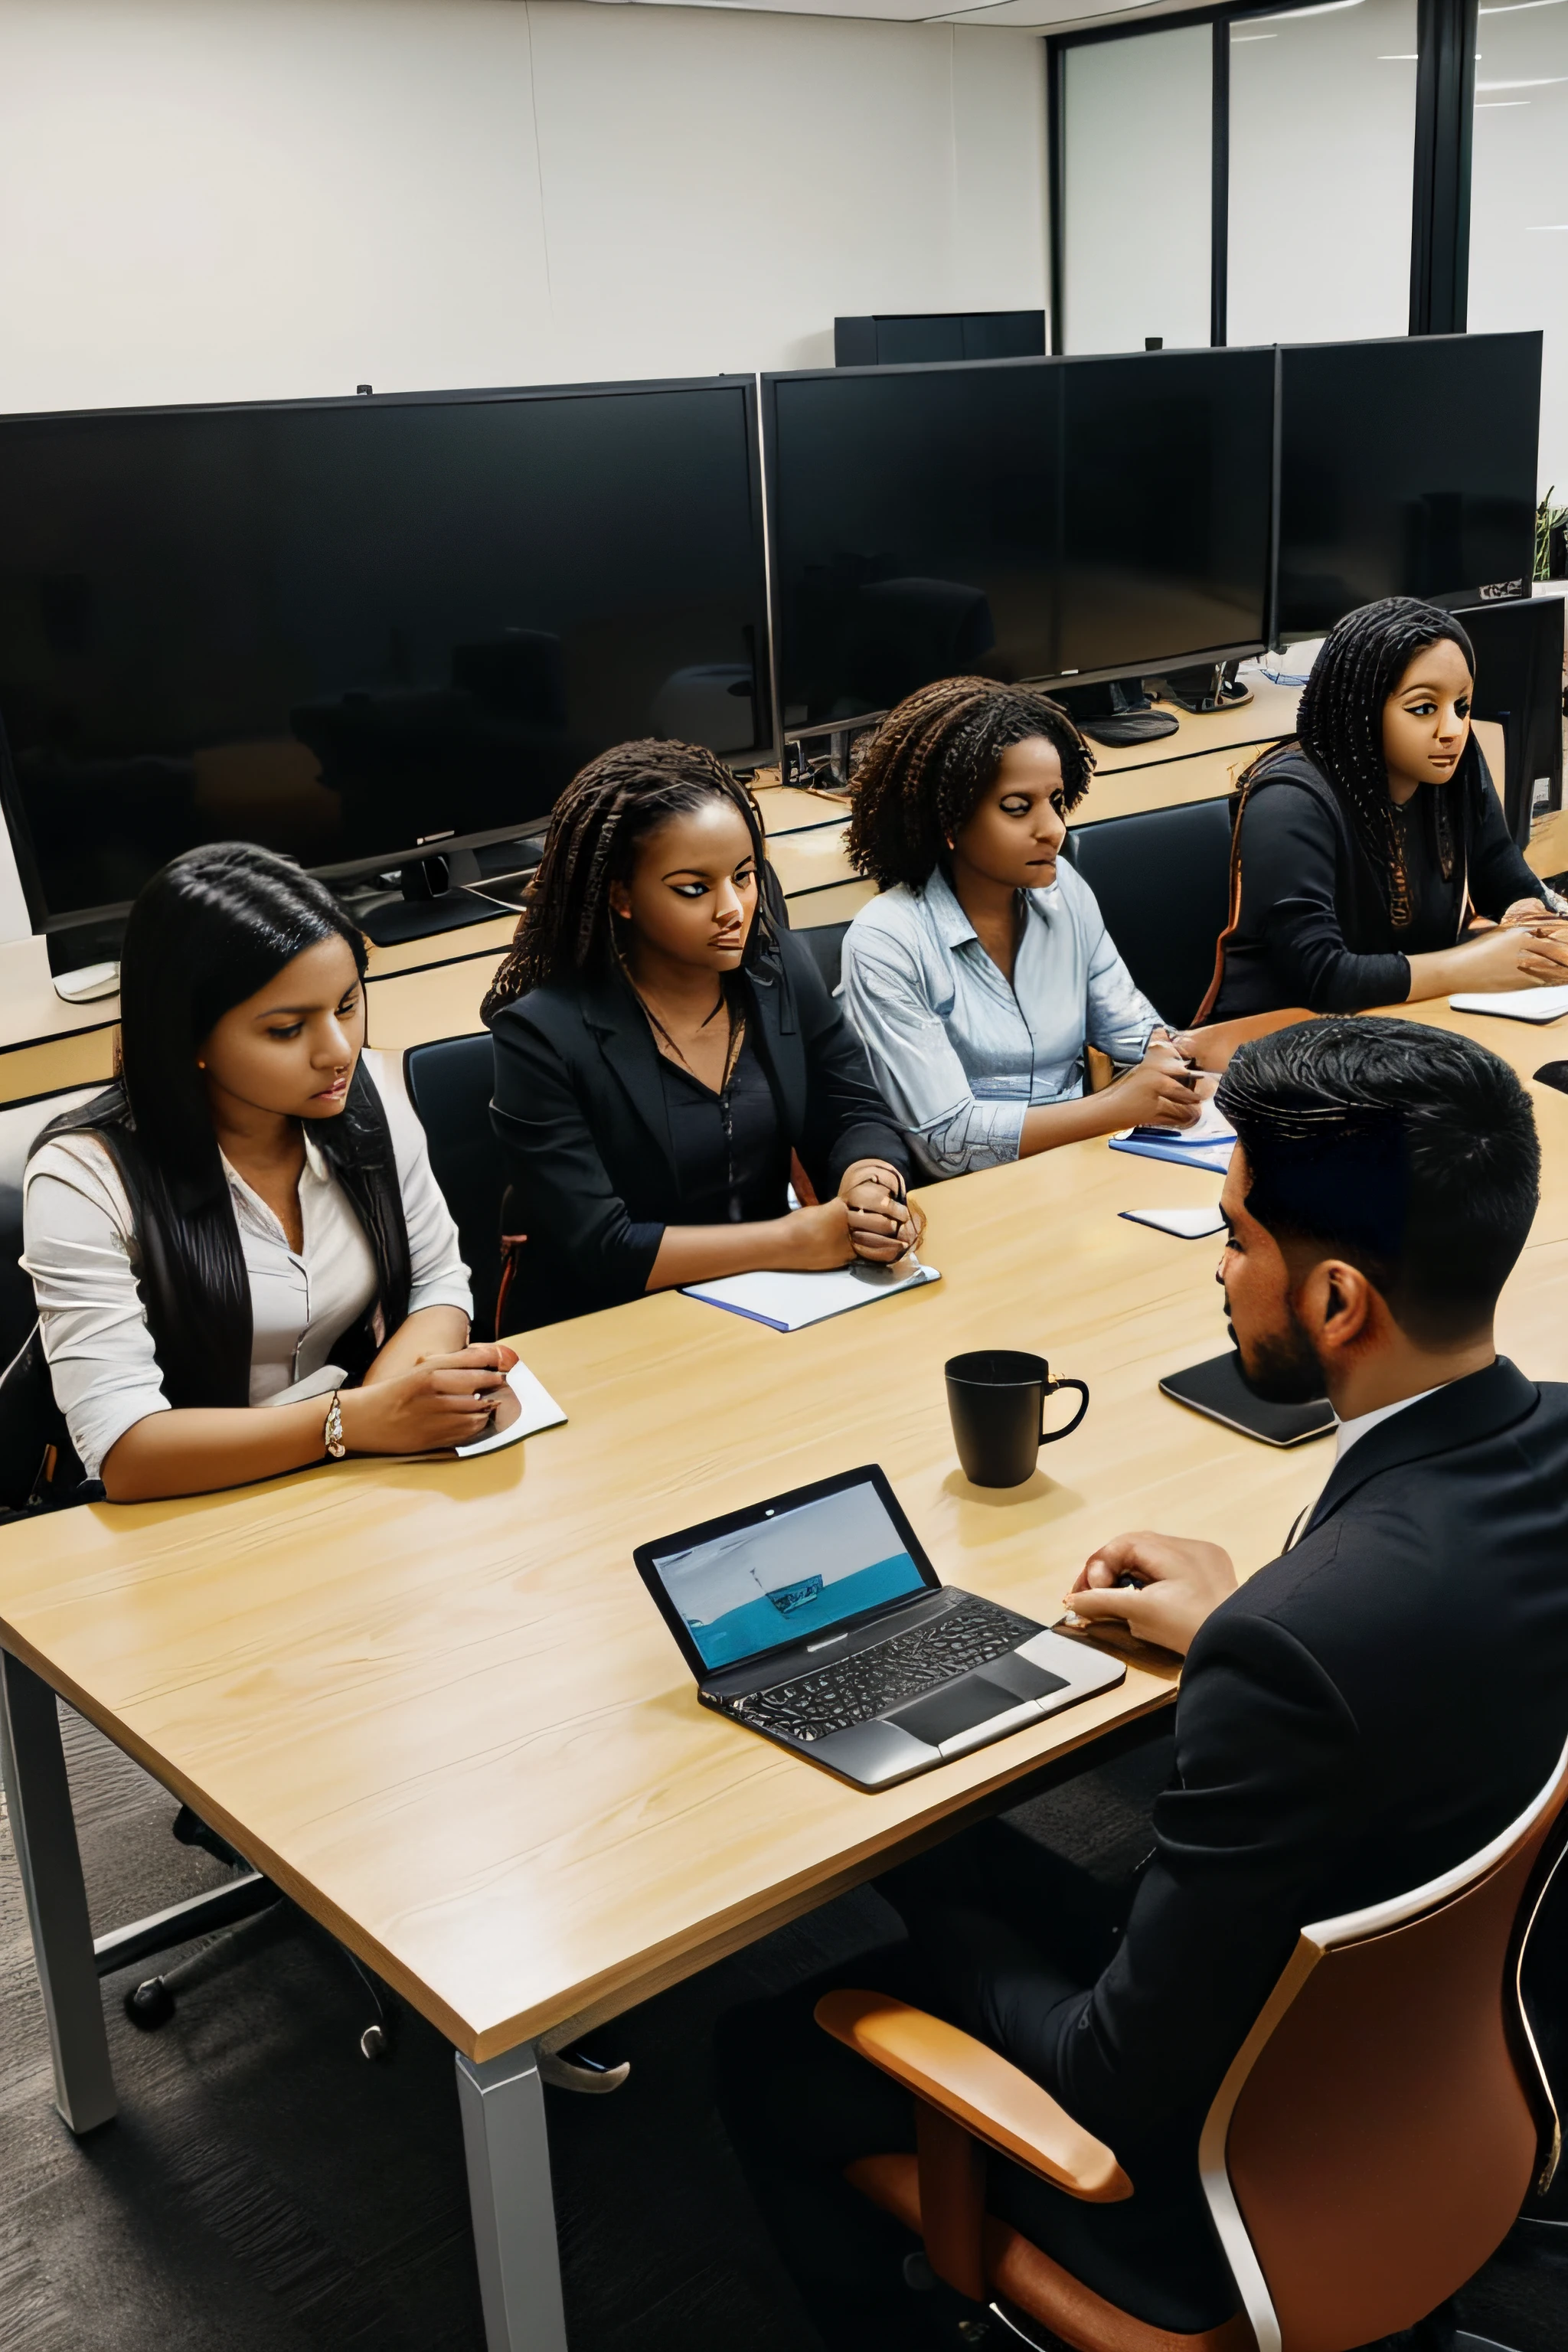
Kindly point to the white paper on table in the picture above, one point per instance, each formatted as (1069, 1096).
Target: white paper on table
(1210, 1127)
(532, 1408)
(1187, 1224)
(788, 1302)
(1538, 1005)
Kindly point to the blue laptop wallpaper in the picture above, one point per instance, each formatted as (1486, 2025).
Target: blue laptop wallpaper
(793, 1574)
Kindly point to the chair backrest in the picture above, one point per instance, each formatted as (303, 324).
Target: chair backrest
(1383, 2125)
(1162, 881)
(825, 944)
(450, 1084)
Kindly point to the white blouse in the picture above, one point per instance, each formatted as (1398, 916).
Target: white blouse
(80, 1249)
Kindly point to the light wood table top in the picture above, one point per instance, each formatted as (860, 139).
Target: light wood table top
(434, 1702)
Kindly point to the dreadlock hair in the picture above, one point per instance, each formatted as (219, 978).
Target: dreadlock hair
(1339, 724)
(609, 809)
(1408, 1153)
(932, 759)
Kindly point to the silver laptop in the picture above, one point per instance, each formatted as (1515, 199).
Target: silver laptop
(817, 1619)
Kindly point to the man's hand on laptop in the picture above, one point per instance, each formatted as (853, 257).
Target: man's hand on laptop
(1161, 1587)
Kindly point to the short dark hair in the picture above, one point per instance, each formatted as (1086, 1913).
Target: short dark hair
(1408, 1151)
(932, 759)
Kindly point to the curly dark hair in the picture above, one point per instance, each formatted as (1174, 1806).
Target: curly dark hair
(608, 808)
(1339, 724)
(932, 759)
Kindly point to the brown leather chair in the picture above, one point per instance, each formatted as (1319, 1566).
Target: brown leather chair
(1370, 2147)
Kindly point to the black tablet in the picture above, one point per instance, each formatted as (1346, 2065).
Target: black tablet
(1218, 1390)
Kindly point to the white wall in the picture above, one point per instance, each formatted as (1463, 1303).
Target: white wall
(228, 199)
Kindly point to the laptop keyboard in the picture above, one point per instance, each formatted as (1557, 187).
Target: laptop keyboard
(872, 1681)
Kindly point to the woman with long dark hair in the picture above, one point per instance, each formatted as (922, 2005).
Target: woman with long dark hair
(1366, 849)
(984, 971)
(663, 1047)
(241, 1259)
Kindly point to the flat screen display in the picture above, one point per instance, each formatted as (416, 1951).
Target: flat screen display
(1029, 519)
(346, 629)
(794, 1573)
(1406, 468)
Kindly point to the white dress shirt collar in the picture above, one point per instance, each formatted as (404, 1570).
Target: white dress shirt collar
(1351, 1432)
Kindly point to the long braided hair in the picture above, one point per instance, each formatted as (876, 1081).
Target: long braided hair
(567, 930)
(932, 759)
(1339, 724)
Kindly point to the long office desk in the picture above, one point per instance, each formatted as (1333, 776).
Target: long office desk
(432, 1701)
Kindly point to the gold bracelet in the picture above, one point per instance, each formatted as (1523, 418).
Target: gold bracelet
(332, 1431)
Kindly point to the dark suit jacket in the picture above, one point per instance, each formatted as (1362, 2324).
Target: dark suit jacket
(1366, 1712)
(579, 1108)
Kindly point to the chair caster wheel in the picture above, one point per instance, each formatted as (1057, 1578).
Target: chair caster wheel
(373, 2043)
(150, 2004)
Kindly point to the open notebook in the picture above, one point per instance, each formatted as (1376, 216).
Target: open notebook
(1205, 1144)
(788, 1302)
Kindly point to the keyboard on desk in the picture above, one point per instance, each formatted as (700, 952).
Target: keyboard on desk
(887, 1675)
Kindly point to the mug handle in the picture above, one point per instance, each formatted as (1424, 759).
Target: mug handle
(1049, 1436)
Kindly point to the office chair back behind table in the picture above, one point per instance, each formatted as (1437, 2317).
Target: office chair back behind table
(1163, 883)
(450, 1084)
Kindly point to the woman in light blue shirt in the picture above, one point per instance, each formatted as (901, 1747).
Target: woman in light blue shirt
(983, 972)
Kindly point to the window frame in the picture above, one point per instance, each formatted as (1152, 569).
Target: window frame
(1440, 158)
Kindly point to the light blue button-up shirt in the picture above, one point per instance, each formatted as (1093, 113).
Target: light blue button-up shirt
(960, 1053)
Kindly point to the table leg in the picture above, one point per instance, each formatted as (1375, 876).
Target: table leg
(44, 1829)
(502, 2103)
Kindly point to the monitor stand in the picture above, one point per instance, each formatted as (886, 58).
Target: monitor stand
(1116, 712)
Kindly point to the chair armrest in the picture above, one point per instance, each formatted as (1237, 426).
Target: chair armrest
(992, 2099)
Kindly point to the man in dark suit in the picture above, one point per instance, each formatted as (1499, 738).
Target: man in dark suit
(1368, 1710)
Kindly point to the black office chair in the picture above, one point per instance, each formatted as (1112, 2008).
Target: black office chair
(449, 1083)
(1162, 881)
(825, 943)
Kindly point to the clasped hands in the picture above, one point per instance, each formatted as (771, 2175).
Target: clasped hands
(1527, 948)
(1161, 1587)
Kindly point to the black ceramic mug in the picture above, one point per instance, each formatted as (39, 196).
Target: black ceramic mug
(997, 1399)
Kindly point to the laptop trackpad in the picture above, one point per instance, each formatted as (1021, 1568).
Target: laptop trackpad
(958, 1707)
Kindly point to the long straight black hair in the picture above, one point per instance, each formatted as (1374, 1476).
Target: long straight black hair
(208, 931)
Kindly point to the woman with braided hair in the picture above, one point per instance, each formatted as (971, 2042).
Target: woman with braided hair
(984, 970)
(1365, 851)
(663, 1046)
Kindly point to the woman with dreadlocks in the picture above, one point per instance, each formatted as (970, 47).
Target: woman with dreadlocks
(1365, 850)
(984, 970)
(662, 1047)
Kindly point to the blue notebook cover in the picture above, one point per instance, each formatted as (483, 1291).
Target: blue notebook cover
(1212, 1158)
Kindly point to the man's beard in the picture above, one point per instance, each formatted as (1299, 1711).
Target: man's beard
(1281, 1368)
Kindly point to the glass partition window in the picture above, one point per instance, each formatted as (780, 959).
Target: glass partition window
(1518, 198)
(1322, 130)
(1138, 117)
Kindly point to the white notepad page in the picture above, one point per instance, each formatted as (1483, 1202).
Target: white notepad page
(788, 1302)
(536, 1409)
(1537, 1004)
(1187, 1224)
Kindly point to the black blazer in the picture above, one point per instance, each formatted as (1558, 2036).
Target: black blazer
(1366, 1712)
(1310, 921)
(579, 1108)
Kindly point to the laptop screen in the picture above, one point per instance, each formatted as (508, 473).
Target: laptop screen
(791, 1575)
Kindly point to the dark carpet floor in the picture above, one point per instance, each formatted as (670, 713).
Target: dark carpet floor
(263, 2189)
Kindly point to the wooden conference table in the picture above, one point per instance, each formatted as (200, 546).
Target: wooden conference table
(432, 1701)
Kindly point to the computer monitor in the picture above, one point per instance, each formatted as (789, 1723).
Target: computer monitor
(1406, 468)
(1022, 519)
(361, 630)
